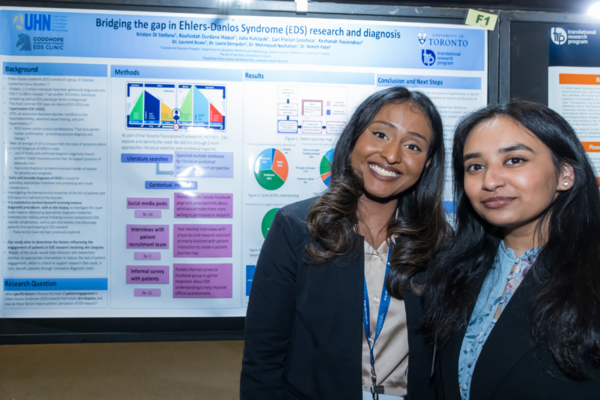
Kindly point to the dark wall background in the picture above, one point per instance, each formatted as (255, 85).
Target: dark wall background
(529, 61)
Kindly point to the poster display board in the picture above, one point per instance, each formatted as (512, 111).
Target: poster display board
(574, 82)
(145, 154)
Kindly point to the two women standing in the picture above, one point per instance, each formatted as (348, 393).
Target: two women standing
(336, 296)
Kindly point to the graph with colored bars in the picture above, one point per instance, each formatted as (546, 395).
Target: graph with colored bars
(201, 106)
(152, 105)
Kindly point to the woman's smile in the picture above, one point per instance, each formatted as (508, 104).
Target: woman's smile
(384, 172)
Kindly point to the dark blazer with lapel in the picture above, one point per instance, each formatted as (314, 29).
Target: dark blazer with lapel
(304, 329)
(508, 368)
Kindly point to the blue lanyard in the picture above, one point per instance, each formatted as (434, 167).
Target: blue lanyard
(383, 309)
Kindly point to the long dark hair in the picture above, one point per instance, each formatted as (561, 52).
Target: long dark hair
(421, 225)
(565, 312)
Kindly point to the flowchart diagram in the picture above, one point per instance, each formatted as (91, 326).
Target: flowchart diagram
(176, 106)
(171, 238)
(312, 110)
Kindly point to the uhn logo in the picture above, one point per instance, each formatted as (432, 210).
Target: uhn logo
(33, 22)
(428, 57)
(24, 41)
(558, 36)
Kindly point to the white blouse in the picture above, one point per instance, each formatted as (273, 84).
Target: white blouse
(391, 348)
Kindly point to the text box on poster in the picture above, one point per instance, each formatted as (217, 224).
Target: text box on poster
(202, 281)
(202, 240)
(137, 274)
(204, 205)
(147, 236)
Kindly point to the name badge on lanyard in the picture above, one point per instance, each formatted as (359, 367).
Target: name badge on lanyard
(383, 310)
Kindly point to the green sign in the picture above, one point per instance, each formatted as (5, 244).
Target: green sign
(481, 19)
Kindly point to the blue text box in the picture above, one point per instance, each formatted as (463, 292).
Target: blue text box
(425, 81)
(450, 207)
(55, 69)
(147, 158)
(61, 284)
(186, 185)
(250, 269)
(203, 74)
(346, 78)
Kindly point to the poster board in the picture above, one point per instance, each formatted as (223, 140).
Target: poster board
(199, 128)
(574, 82)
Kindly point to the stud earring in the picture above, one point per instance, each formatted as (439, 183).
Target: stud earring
(566, 183)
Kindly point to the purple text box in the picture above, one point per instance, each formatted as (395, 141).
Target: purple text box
(147, 204)
(204, 205)
(335, 127)
(147, 236)
(146, 256)
(137, 274)
(203, 164)
(202, 281)
(146, 292)
(202, 241)
(147, 214)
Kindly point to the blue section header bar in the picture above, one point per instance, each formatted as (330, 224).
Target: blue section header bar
(210, 74)
(351, 78)
(187, 185)
(52, 69)
(419, 81)
(449, 206)
(147, 158)
(242, 39)
(60, 284)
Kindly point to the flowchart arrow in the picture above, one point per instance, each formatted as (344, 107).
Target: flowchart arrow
(159, 172)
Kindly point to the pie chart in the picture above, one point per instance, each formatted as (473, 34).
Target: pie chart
(326, 167)
(271, 169)
(267, 221)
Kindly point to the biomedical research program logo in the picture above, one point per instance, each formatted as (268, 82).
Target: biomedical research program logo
(428, 57)
(558, 36)
(24, 42)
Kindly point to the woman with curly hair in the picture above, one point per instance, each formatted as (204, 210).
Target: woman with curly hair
(334, 303)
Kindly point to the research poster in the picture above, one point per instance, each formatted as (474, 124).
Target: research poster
(145, 155)
(574, 83)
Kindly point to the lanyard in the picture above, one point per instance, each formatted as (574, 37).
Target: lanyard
(383, 309)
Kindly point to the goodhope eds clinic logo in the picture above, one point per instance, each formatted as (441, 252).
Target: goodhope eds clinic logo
(36, 23)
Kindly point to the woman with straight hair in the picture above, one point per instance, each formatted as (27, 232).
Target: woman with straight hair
(512, 303)
(332, 311)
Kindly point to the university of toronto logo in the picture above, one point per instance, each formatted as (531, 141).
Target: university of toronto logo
(422, 38)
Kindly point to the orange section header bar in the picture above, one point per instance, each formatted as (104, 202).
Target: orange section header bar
(591, 147)
(598, 179)
(578, 79)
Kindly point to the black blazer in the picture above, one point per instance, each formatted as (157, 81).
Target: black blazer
(304, 323)
(507, 367)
